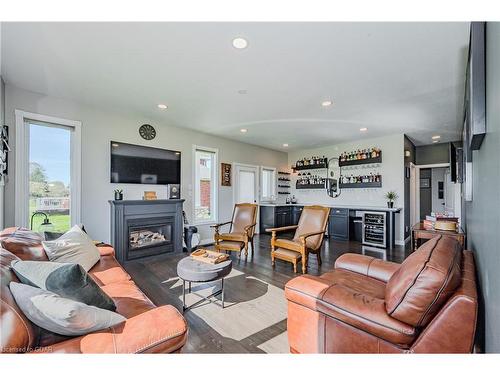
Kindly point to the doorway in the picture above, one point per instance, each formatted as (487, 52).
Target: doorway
(432, 191)
(246, 185)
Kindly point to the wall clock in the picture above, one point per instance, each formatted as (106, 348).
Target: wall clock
(147, 132)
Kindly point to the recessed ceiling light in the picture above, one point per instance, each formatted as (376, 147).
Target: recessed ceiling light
(326, 103)
(436, 136)
(242, 92)
(240, 43)
(243, 130)
(162, 106)
(435, 141)
(285, 144)
(363, 129)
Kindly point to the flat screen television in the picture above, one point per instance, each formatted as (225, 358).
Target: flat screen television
(134, 164)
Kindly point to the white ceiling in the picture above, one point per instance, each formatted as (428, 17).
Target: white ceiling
(388, 77)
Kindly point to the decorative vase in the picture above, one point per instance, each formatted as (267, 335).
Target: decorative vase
(118, 196)
(390, 204)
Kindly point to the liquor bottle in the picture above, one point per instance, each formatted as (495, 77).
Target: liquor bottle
(374, 152)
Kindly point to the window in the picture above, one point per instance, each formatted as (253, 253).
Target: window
(268, 184)
(205, 185)
(47, 172)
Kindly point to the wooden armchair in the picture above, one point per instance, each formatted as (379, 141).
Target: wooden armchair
(241, 230)
(308, 238)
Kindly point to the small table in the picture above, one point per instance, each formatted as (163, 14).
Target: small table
(420, 232)
(194, 271)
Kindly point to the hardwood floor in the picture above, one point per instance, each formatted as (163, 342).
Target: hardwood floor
(157, 277)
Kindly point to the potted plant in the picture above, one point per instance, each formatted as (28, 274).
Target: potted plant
(391, 196)
(118, 194)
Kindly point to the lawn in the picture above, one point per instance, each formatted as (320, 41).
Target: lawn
(61, 222)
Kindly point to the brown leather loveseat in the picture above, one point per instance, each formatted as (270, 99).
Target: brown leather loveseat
(148, 329)
(428, 304)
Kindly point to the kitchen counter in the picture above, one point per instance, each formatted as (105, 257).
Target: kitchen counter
(351, 207)
(346, 222)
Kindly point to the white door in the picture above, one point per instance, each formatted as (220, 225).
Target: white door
(414, 201)
(449, 193)
(246, 186)
(246, 183)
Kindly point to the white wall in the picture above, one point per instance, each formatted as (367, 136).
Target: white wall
(391, 169)
(99, 128)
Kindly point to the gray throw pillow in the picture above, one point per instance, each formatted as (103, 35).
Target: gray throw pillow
(61, 315)
(74, 246)
(65, 279)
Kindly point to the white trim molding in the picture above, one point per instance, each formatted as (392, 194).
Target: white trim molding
(22, 166)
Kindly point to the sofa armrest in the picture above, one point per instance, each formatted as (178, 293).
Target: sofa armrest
(160, 330)
(105, 249)
(368, 266)
(355, 309)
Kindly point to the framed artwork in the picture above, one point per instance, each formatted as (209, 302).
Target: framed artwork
(225, 174)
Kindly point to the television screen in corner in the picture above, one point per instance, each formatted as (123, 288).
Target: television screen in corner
(134, 164)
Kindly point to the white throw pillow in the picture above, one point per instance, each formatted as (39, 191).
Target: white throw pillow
(61, 315)
(74, 246)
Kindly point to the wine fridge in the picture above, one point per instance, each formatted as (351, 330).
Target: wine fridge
(374, 229)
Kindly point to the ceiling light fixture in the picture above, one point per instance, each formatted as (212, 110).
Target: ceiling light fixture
(285, 144)
(435, 141)
(326, 103)
(162, 106)
(243, 130)
(436, 136)
(363, 129)
(240, 43)
(242, 92)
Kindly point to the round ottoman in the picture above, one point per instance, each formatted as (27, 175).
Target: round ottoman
(191, 270)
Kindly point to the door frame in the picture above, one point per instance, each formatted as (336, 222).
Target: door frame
(415, 189)
(257, 188)
(22, 164)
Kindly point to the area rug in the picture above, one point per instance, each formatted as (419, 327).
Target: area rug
(255, 311)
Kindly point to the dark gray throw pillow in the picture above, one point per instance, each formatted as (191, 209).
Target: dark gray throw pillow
(65, 279)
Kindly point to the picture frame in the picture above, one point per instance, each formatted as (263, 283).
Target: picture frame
(225, 174)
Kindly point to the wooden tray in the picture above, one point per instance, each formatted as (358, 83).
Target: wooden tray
(209, 256)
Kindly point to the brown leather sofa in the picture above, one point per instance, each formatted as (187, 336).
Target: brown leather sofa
(427, 304)
(148, 329)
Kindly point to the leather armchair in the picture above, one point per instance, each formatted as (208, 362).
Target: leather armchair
(241, 230)
(428, 304)
(308, 238)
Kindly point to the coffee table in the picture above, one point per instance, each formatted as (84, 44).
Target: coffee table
(194, 271)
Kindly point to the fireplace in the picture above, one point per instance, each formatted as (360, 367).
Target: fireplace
(146, 228)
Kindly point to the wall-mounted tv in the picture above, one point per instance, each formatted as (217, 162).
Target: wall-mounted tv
(134, 164)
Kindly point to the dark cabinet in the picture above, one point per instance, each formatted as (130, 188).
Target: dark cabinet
(278, 216)
(338, 224)
(296, 211)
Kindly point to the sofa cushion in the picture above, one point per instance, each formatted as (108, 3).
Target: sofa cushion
(65, 279)
(108, 271)
(128, 298)
(74, 246)
(61, 315)
(425, 280)
(23, 243)
(17, 332)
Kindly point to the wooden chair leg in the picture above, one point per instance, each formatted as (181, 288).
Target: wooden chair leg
(295, 266)
(273, 262)
(318, 256)
(246, 249)
(304, 261)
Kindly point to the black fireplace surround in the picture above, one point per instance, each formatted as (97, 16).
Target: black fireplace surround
(141, 228)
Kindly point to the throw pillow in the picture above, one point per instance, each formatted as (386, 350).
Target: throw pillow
(68, 280)
(61, 315)
(74, 246)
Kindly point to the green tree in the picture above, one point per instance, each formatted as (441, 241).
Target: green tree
(37, 173)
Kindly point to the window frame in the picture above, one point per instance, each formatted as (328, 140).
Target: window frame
(22, 164)
(275, 188)
(215, 188)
